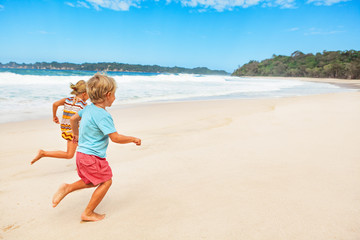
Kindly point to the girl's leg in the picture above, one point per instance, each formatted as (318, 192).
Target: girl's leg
(71, 148)
(65, 189)
(98, 195)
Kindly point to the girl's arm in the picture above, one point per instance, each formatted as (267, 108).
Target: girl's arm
(118, 138)
(55, 107)
(74, 123)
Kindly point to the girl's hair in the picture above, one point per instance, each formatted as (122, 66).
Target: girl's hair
(98, 86)
(78, 88)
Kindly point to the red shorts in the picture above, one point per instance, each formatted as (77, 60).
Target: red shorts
(92, 169)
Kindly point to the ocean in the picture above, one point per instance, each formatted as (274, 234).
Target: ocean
(28, 94)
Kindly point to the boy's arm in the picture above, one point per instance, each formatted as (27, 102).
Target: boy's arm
(74, 123)
(118, 138)
(55, 107)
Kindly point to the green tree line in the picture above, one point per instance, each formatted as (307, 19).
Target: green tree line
(328, 64)
(116, 67)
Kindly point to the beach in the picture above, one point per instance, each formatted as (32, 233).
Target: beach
(261, 169)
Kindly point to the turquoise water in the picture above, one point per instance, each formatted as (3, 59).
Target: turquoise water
(29, 94)
(45, 72)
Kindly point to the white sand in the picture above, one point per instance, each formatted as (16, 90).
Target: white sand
(233, 169)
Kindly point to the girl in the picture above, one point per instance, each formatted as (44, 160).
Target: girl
(71, 106)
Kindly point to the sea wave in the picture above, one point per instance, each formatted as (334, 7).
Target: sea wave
(31, 93)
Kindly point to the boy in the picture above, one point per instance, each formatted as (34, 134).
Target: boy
(93, 136)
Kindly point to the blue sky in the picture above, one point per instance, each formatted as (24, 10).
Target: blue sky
(219, 34)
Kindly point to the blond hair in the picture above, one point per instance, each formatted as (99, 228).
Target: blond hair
(98, 86)
(78, 88)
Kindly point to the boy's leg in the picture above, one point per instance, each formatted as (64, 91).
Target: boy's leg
(71, 148)
(98, 195)
(65, 189)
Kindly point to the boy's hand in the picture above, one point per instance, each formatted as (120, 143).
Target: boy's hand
(137, 141)
(55, 119)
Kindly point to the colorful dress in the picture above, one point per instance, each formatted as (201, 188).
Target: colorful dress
(72, 105)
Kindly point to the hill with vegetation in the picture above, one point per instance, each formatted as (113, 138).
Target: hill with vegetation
(328, 64)
(115, 67)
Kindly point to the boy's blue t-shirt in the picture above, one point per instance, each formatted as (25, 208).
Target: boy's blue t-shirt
(96, 123)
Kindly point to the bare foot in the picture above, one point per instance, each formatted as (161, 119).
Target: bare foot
(60, 194)
(93, 217)
(38, 156)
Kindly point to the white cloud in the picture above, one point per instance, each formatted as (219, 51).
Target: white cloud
(279, 3)
(326, 2)
(117, 5)
(1, 7)
(82, 4)
(70, 4)
(78, 4)
(201, 5)
(221, 5)
(285, 3)
(293, 29)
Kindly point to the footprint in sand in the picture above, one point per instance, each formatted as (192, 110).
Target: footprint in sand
(10, 227)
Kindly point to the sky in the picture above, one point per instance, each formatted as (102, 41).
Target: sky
(218, 34)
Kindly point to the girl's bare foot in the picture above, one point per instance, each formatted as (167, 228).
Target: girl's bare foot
(38, 156)
(60, 194)
(93, 217)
